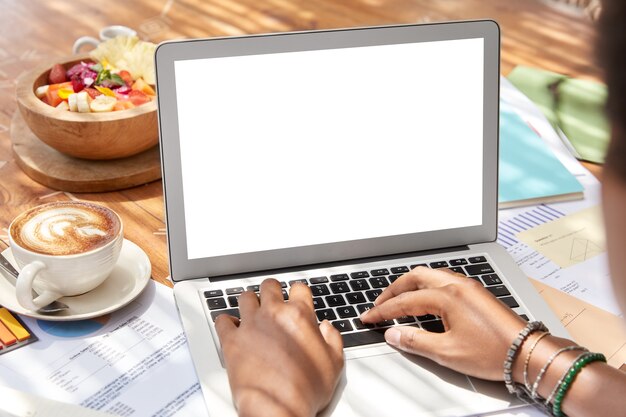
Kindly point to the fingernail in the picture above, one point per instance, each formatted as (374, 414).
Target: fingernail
(392, 336)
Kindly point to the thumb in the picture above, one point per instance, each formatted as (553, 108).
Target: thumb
(332, 337)
(413, 340)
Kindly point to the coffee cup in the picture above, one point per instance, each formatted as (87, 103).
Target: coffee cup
(63, 249)
(106, 33)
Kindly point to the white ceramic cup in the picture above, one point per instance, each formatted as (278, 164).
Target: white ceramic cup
(56, 276)
(106, 33)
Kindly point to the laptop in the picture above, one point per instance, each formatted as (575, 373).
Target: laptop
(341, 159)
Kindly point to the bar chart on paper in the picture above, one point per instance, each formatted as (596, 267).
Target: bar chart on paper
(508, 228)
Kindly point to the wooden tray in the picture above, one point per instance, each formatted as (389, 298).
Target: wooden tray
(62, 172)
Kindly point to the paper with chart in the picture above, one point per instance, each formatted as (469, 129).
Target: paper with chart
(133, 362)
(569, 240)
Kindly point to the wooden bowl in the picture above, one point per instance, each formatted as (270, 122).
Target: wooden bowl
(97, 136)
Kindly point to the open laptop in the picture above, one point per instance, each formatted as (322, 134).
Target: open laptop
(342, 159)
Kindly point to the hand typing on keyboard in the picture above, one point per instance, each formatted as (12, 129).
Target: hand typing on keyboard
(479, 328)
(279, 361)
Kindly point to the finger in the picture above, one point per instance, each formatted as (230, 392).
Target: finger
(271, 292)
(416, 341)
(301, 293)
(248, 304)
(225, 327)
(419, 278)
(414, 303)
(332, 337)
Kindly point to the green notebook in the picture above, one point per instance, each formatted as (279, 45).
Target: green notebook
(529, 172)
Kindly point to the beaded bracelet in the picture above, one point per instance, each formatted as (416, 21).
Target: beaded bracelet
(568, 378)
(533, 391)
(514, 350)
(527, 361)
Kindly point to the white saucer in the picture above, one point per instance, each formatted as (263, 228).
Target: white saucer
(130, 276)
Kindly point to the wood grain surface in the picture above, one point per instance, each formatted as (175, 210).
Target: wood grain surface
(534, 33)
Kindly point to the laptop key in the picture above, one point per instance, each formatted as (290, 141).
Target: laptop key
(283, 284)
(319, 290)
(477, 280)
(233, 301)
(359, 325)
(359, 285)
(216, 303)
(405, 319)
(479, 269)
(499, 290)
(525, 317)
(339, 287)
(255, 288)
(213, 293)
(393, 278)
(491, 279)
(385, 323)
(285, 295)
(434, 326)
(342, 325)
(302, 281)
(416, 265)
(379, 282)
(510, 301)
(327, 314)
(364, 307)
(426, 317)
(372, 295)
(355, 298)
(439, 264)
(318, 280)
(318, 303)
(379, 272)
(335, 300)
(476, 259)
(399, 270)
(346, 311)
(363, 338)
(231, 312)
(339, 277)
(457, 269)
(360, 274)
(458, 262)
(234, 291)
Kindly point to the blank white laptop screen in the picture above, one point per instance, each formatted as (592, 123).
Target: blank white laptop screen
(303, 148)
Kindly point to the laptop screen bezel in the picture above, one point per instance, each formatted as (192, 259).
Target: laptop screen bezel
(182, 268)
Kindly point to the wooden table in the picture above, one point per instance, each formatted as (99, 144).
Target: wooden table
(534, 33)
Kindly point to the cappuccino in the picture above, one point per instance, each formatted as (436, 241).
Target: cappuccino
(65, 228)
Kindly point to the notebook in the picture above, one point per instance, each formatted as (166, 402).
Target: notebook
(329, 158)
(530, 173)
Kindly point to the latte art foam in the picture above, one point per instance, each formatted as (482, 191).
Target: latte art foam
(65, 228)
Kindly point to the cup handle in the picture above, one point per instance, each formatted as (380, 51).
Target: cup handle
(24, 288)
(82, 41)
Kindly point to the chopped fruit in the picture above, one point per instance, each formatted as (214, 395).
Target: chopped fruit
(105, 91)
(57, 74)
(138, 97)
(52, 95)
(93, 93)
(123, 105)
(141, 85)
(63, 106)
(82, 102)
(77, 84)
(103, 103)
(64, 93)
(41, 91)
(129, 53)
(125, 75)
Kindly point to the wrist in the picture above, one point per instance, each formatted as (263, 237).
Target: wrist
(256, 403)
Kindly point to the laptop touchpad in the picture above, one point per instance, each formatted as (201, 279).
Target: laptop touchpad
(396, 384)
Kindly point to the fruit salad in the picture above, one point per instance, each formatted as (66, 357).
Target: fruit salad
(119, 76)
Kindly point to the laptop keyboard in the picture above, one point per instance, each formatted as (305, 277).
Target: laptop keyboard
(341, 298)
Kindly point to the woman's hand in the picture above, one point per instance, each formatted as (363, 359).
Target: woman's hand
(279, 361)
(479, 328)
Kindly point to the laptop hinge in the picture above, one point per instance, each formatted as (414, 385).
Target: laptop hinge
(340, 263)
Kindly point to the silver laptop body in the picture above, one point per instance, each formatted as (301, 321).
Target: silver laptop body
(342, 158)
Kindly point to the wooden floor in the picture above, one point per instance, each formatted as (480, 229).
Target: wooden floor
(534, 33)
